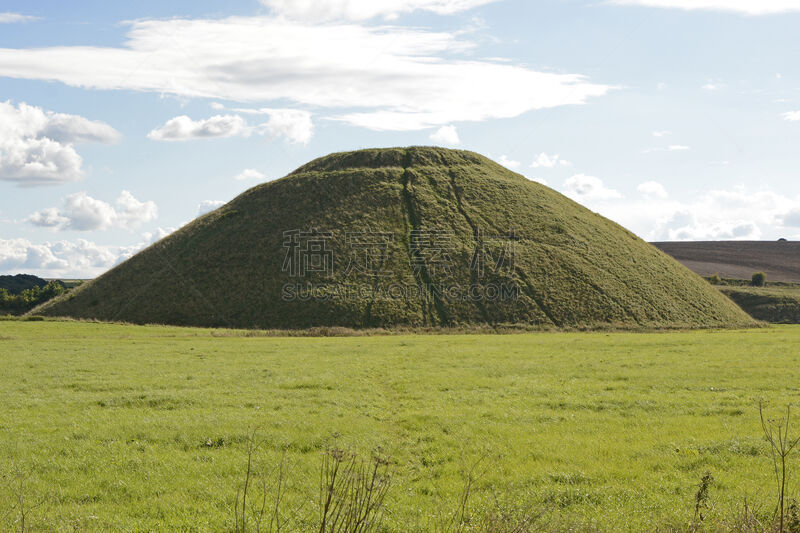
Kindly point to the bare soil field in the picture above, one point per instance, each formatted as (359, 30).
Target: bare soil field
(780, 260)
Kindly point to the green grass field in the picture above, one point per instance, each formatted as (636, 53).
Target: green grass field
(129, 428)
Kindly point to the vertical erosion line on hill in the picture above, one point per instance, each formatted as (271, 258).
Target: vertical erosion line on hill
(418, 268)
(367, 318)
(476, 236)
(531, 293)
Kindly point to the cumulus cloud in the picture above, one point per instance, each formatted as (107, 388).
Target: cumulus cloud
(582, 187)
(507, 162)
(446, 135)
(687, 226)
(123, 253)
(791, 219)
(69, 259)
(131, 213)
(250, 174)
(295, 125)
(13, 18)
(206, 206)
(81, 212)
(544, 160)
(661, 133)
(792, 116)
(717, 214)
(59, 259)
(398, 78)
(326, 10)
(652, 189)
(748, 7)
(183, 128)
(37, 146)
(22, 254)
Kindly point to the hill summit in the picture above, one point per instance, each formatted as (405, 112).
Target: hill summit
(402, 236)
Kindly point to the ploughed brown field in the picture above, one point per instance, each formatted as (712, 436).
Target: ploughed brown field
(780, 260)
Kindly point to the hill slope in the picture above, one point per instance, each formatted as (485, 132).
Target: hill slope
(404, 236)
(738, 259)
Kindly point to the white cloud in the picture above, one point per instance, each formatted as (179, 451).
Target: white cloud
(293, 124)
(326, 10)
(749, 7)
(79, 258)
(81, 212)
(582, 187)
(206, 206)
(131, 213)
(250, 174)
(183, 128)
(507, 162)
(791, 219)
(735, 213)
(69, 259)
(710, 87)
(48, 218)
(75, 129)
(124, 253)
(398, 78)
(36, 146)
(538, 180)
(670, 148)
(652, 189)
(544, 160)
(22, 254)
(792, 116)
(12, 18)
(686, 226)
(661, 133)
(446, 135)
(216, 106)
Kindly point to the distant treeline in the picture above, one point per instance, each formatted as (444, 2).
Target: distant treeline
(20, 282)
(27, 299)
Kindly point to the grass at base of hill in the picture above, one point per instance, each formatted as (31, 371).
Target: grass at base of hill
(115, 427)
(777, 304)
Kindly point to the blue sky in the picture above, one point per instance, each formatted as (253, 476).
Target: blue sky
(120, 122)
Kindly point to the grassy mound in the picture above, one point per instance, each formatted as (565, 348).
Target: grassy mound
(404, 236)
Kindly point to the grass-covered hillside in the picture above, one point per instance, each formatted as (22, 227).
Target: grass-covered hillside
(778, 304)
(128, 428)
(405, 236)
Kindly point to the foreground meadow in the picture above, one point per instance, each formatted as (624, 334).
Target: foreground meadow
(127, 428)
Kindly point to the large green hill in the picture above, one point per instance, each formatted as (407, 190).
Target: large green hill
(402, 236)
